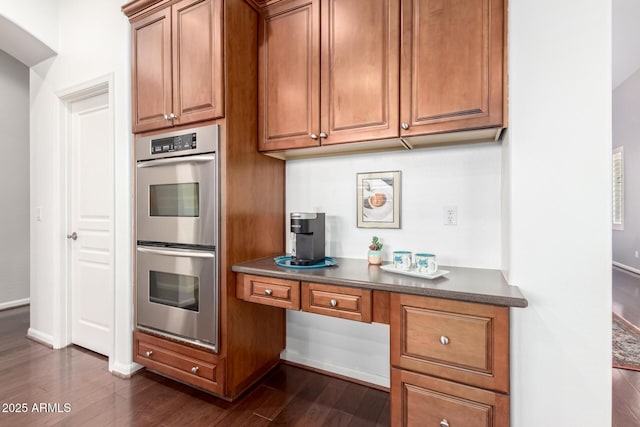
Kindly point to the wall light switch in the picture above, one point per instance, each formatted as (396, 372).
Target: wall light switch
(39, 213)
(450, 215)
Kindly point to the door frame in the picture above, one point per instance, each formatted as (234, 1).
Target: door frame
(63, 303)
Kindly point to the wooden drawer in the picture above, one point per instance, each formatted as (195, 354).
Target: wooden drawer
(420, 400)
(337, 301)
(186, 363)
(461, 341)
(270, 291)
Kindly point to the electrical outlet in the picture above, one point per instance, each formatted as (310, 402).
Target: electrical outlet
(450, 215)
(636, 254)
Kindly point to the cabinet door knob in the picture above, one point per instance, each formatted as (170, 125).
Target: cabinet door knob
(444, 340)
(405, 125)
(444, 423)
(148, 353)
(268, 292)
(195, 369)
(313, 136)
(323, 135)
(172, 116)
(333, 303)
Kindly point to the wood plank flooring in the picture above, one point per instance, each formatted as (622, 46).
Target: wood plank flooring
(626, 383)
(72, 387)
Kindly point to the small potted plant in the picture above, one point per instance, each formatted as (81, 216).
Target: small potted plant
(375, 251)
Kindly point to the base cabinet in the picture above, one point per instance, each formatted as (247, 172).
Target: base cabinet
(189, 364)
(450, 363)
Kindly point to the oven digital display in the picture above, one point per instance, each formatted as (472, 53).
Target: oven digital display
(174, 143)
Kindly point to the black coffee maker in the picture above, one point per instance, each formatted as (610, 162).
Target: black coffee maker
(307, 238)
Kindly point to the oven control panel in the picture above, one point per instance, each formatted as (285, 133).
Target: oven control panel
(174, 143)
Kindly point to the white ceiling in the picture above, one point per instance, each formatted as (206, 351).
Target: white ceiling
(625, 39)
(21, 44)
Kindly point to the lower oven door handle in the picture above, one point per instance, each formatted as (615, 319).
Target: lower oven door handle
(186, 254)
(171, 160)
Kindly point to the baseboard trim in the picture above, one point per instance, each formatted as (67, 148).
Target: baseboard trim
(626, 267)
(125, 371)
(334, 375)
(364, 378)
(13, 304)
(40, 337)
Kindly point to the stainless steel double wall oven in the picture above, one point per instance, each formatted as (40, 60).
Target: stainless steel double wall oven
(177, 218)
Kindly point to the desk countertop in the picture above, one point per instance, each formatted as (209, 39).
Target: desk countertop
(477, 285)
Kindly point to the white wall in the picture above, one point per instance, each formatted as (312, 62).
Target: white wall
(94, 42)
(14, 174)
(559, 243)
(465, 176)
(626, 128)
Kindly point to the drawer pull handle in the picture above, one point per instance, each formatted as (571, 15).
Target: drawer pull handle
(333, 303)
(444, 423)
(148, 353)
(268, 292)
(444, 341)
(194, 370)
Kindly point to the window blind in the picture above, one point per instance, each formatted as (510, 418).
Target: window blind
(618, 188)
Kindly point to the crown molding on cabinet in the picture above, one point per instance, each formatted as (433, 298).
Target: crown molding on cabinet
(136, 6)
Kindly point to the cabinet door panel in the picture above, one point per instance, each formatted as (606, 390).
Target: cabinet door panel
(452, 65)
(197, 60)
(151, 71)
(360, 62)
(289, 80)
(420, 400)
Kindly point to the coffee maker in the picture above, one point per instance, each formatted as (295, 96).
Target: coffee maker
(307, 238)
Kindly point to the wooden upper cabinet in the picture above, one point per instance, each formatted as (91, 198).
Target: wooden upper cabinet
(360, 62)
(328, 73)
(289, 76)
(452, 65)
(151, 71)
(177, 65)
(198, 84)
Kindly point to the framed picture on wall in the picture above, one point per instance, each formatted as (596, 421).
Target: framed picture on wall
(378, 199)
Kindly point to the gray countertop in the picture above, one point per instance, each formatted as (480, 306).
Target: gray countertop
(461, 283)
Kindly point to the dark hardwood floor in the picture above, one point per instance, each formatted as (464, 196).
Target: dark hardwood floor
(626, 383)
(72, 387)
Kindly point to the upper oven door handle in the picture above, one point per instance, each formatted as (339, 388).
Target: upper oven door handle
(180, 253)
(173, 160)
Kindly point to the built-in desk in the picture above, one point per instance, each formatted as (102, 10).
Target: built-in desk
(449, 336)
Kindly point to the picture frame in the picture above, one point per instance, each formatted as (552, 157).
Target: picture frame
(378, 199)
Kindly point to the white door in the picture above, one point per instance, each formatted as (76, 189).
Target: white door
(91, 269)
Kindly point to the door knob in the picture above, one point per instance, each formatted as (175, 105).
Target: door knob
(72, 236)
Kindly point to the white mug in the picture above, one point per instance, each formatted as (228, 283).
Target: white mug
(426, 263)
(402, 260)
